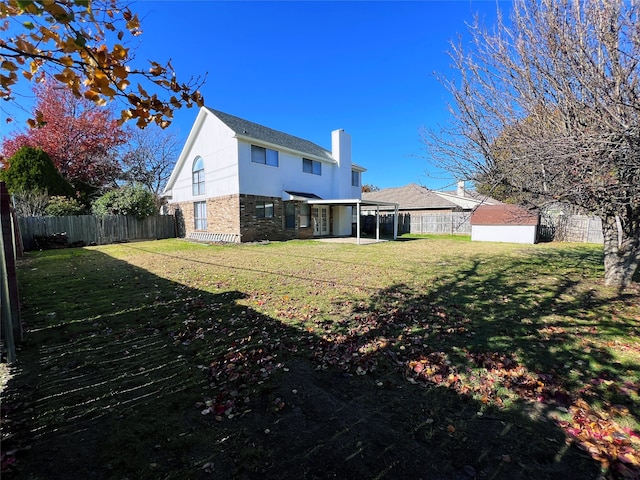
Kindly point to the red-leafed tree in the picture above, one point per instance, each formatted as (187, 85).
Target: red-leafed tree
(80, 137)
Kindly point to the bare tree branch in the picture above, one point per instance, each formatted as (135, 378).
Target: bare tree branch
(549, 106)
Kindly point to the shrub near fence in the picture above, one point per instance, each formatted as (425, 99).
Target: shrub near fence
(91, 229)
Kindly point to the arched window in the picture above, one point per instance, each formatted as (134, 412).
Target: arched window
(198, 176)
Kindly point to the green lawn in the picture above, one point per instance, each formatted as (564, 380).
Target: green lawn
(421, 358)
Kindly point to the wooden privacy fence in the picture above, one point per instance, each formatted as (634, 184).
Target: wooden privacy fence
(93, 230)
(438, 223)
(563, 228)
(578, 228)
(9, 299)
(441, 223)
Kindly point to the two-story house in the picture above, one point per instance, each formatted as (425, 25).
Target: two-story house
(238, 181)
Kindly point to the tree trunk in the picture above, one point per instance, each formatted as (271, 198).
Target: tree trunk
(621, 251)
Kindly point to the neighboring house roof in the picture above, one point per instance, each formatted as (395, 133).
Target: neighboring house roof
(504, 215)
(416, 197)
(468, 199)
(251, 130)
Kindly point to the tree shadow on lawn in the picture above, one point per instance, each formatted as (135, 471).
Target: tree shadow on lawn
(140, 377)
(538, 347)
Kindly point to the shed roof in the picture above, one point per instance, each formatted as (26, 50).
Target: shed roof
(504, 215)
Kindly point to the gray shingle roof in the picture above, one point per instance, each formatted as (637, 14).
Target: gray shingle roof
(269, 135)
(410, 196)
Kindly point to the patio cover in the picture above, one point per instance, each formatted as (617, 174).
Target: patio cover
(300, 196)
(359, 203)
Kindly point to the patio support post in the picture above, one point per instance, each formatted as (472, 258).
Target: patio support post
(358, 223)
(377, 223)
(395, 223)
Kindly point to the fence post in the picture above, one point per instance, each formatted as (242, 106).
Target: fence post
(7, 317)
(11, 325)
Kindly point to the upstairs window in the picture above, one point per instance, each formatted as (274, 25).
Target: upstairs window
(355, 178)
(265, 156)
(311, 166)
(197, 179)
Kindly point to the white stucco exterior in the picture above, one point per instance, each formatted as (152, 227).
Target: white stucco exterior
(504, 233)
(213, 141)
(229, 169)
(224, 143)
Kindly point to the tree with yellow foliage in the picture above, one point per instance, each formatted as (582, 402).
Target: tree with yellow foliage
(81, 44)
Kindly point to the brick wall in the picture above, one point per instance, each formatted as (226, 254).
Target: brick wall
(222, 215)
(255, 229)
(237, 214)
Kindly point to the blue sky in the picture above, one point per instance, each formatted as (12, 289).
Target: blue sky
(307, 68)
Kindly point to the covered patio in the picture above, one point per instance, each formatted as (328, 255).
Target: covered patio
(370, 205)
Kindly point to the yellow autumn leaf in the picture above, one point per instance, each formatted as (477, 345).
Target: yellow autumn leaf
(25, 46)
(91, 95)
(29, 8)
(66, 61)
(134, 23)
(69, 45)
(57, 11)
(120, 71)
(126, 115)
(67, 76)
(119, 52)
(5, 80)
(9, 66)
(100, 78)
(108, 91)
(142, 91)
(123, 85)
